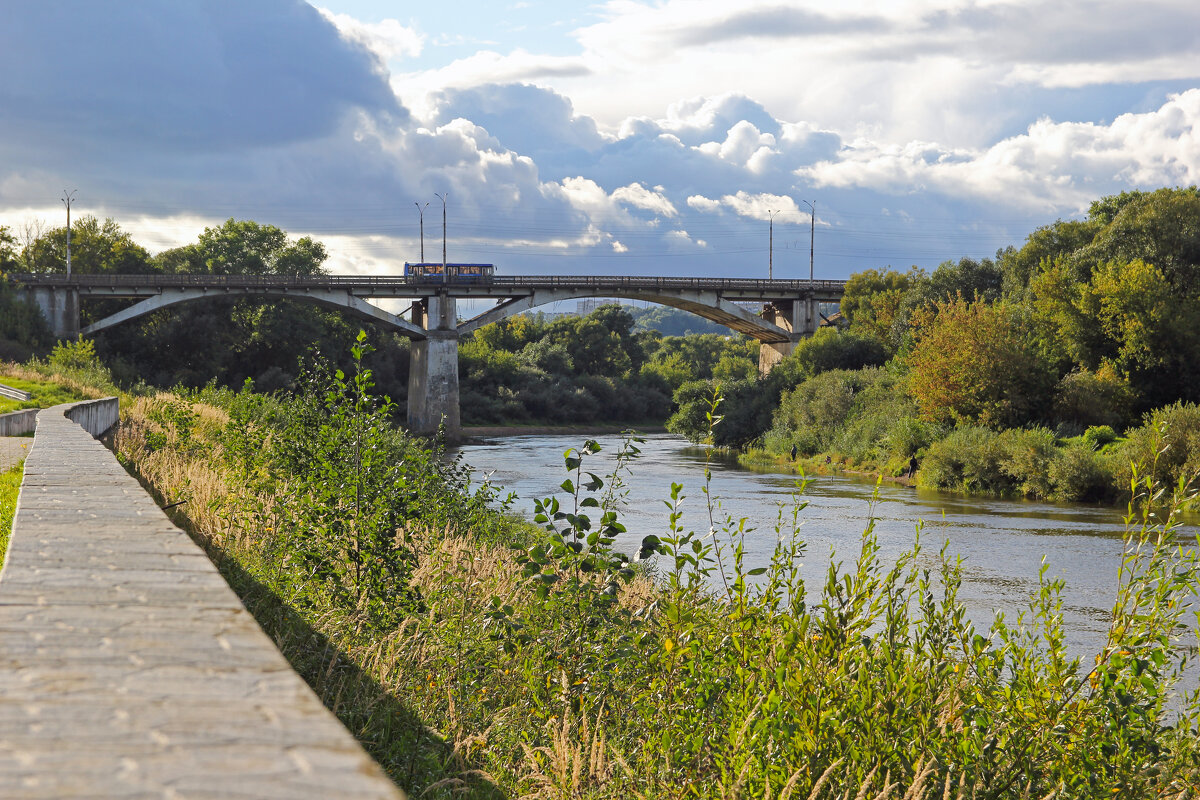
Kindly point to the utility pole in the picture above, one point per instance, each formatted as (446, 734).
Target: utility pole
(421, 212)
(68, 198)
(771, 245)
(812, 229)
(443, 197)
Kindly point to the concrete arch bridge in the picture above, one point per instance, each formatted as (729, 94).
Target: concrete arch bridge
(789, 310)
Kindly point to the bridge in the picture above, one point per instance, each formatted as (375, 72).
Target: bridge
(789, 311)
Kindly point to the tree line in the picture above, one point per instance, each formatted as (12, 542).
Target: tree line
(1038, 372)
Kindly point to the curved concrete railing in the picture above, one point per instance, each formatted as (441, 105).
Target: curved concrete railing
(128, 668)
(18, 423)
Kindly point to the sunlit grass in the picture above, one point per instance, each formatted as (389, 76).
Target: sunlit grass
(44, 393)
(10, 486)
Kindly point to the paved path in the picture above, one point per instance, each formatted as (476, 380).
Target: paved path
(12, 450)
(129, 669)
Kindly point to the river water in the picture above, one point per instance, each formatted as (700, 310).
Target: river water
(1001, 542)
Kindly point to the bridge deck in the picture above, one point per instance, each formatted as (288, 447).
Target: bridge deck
(412, 286)
(128, 668)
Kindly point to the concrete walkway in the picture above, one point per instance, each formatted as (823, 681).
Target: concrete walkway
(129, 669)
(12, 450)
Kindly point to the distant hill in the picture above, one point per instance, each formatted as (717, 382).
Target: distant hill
(673, 321)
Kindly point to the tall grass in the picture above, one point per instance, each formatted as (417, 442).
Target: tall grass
(10, 487)
(542, 663)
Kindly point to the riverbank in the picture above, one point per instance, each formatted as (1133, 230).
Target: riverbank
(508, 666)
(762, 461)
(472, 433)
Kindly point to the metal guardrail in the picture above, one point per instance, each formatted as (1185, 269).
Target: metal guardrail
(419, 282)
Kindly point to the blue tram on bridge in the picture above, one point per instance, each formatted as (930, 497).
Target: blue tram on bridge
(424, 272)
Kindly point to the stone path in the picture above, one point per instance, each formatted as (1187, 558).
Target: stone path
(128, 668)
(12, 450)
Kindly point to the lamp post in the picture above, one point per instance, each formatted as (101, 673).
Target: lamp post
(421, 213)
(812, 229)
(771, 245)
(68, 198)
(443, 197)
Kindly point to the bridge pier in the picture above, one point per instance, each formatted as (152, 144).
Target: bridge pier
(60, 307)
(798, 317)
(433, 368)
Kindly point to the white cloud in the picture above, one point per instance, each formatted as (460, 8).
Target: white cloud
(1054, 166)
(639, 197)
(388, 39)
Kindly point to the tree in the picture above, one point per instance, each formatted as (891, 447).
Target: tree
(972, 363)
(247, 248)
(1161, 228)
(873, 301)
(9, 257)
(97, 248)
(1018, 268)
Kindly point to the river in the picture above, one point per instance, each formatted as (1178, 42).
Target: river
(1001, 542)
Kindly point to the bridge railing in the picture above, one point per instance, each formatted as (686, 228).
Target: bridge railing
(361, 282)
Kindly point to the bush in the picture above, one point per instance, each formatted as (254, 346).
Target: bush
(1168, 441)
(1097, 436)
(1087, 398)
(967, 460)
(1080, 475)
(1027, 457)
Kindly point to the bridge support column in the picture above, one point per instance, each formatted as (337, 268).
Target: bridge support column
(433, 369)
(799, 318)
(60, 307)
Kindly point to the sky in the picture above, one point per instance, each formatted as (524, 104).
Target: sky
(628, 137)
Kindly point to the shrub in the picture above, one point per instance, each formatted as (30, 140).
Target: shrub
(1080, 475)
(1097, 436)
(966, 460)
(1168, 441)
(1087, 398)
(1026, 457)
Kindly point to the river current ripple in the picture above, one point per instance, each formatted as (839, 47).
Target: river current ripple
(1001, 542)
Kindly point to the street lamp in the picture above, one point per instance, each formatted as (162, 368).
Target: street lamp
(68, 198)
(421, 212)
(812, 228)
(771, 245)
(443, 197)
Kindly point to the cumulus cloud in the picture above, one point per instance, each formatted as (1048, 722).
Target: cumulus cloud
(389, 39)
(1053, 166)
(192, 121)
(188, 74)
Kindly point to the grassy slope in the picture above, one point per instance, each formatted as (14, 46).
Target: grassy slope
(714, 703)
(45, 393)
(10, 484)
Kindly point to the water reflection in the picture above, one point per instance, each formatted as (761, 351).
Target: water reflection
(1001, 543)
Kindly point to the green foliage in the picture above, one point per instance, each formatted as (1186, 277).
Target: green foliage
(1168, 441)
(675, 322)
(828, 349)
(729, 678)
(1084, 398)
(1097, 436)
(43, 394)
(96, 248)
(10, 487)
(747, 412)
(973, 363)
(874, 303)
(23, 329)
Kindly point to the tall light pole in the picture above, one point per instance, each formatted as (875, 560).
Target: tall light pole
(812, 229)
(443, 197)
(421, 212)
(771, 245)
(68, 198)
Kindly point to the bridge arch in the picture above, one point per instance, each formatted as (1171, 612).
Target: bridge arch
(328, 298)
(707, 304)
